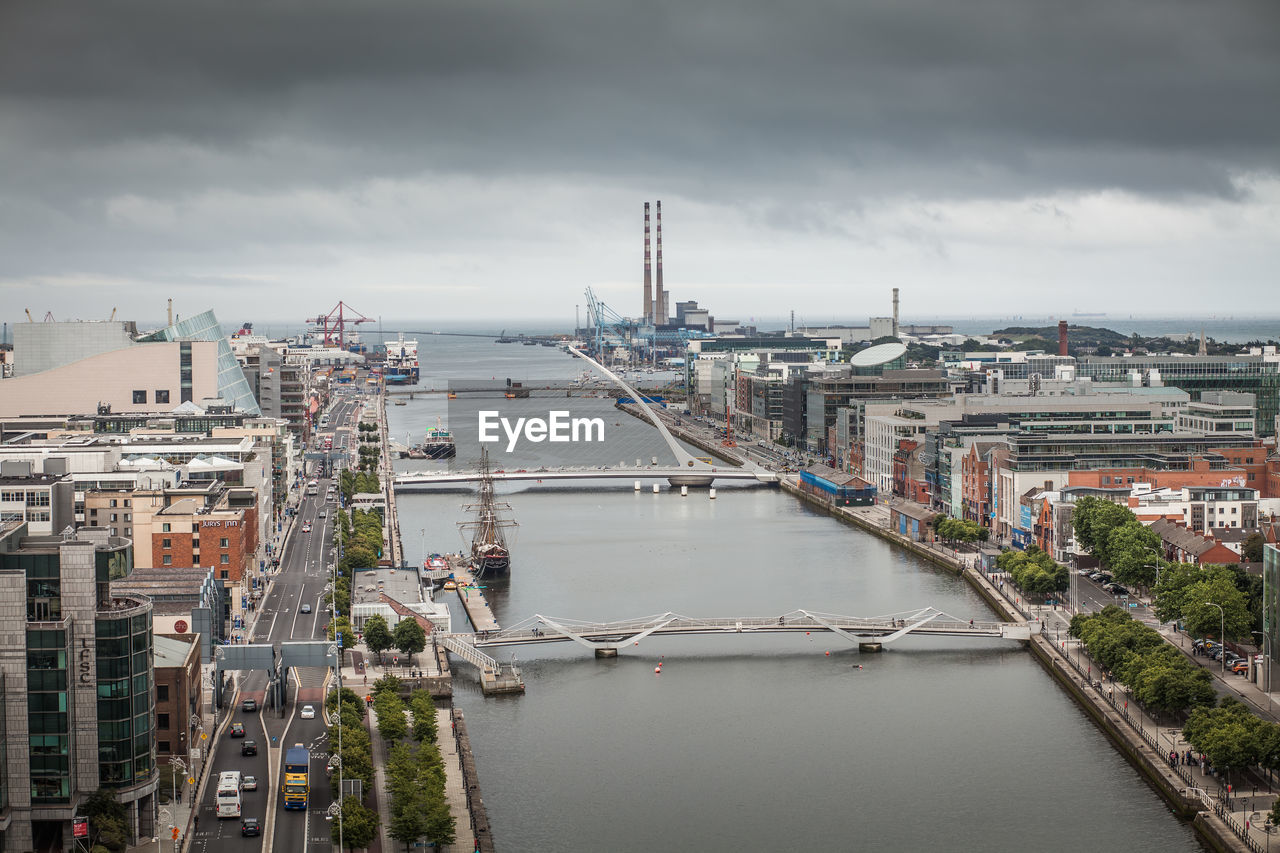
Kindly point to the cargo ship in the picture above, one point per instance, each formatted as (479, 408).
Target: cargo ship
(489, 554)
(401, 366)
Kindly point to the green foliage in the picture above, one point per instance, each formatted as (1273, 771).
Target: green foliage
(1160, 677)
(959, 529)
(388, 683)
(377, 636)
(351, 704)
(1229, 735)
(108, 827)
(359, 824)
(1034, 571)
(1253, 547)
(1203, 618)
(392, 724)
(1132, 549)
(1092, 520)
(409, 637)
(423, 708)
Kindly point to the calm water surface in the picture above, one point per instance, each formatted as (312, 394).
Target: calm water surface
(766, 742)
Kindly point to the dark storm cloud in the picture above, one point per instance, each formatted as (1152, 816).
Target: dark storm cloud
(1156, 96)
(137, 135)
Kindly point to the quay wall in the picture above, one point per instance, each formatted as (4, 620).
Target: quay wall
(471, 783)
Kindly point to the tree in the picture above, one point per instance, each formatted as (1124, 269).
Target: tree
(1132, 549)
(359, 824)
(391, 722)
(1253, 547)
(423, 708)
(377, 636)
(108, 827)
(1092, 519)
(1203, 619)
(409, 637)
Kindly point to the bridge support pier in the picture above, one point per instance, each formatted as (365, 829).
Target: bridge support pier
(606, 653)
(870, 647)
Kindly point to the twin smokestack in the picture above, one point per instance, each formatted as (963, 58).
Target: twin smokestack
(656, 309)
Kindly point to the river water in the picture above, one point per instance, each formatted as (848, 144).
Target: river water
(759, 742)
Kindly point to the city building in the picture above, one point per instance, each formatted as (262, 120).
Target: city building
(78, 668)
(179, 694)
(74, 368)
(45, 501)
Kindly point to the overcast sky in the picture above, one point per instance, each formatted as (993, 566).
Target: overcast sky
(459, 159)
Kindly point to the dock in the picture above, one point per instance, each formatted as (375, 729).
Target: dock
(473, 600)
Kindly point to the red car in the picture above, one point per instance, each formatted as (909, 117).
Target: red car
(237, 729)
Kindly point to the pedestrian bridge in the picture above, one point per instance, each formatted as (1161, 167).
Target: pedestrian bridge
(869, 633)
(675, 476)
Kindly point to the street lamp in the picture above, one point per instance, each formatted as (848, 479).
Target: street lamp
(1222, 635)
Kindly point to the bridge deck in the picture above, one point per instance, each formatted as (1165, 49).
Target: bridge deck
(610, 635)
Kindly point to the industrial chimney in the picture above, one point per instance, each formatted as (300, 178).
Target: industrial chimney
(648, 281)
(1062, 337)
(663, 312)
(895, 312)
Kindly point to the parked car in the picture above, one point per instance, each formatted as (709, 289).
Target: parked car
(249, 747)
(249, 783)
(237, 729)
(250, 826)
(249, 705)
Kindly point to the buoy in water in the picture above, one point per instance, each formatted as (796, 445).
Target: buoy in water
(684, 491)
(712, 494)
(658, 670)
(828, 654)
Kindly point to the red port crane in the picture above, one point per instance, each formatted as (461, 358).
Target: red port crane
(334, 324)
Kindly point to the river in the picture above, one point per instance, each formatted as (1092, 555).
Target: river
(759, 742)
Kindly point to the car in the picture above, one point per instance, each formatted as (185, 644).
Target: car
(237, 729)
(308, 712)
(1084, 573)
(324, 513)
(1240, 666)
(249, 747)
(250, 826)
(249, 783)
(249, 705)
(306, 527)
(306, 608)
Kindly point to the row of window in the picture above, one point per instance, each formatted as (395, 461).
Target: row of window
(223, 559)
(140, 396)
(29, 498)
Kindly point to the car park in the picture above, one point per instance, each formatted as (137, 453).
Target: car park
(237, 729)
(249, 705)
(250, 826)
(249, 783)
(249, 747)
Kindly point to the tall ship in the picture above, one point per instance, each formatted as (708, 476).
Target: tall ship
(401, 367)
(489, 554)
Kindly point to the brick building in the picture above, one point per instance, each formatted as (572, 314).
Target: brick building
(178, 692)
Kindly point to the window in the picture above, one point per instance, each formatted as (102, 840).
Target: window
(223, 542)
(139, 397)
(113, 503)
(162, 722)
(162, 395)
(128, 502)
(223, 575)
(1106, 481)
(164, 528)
(162, 693)
(167, 560)
(162, 746)
(225, 559)
(113, 516)
(166, 543)
(1233, 510)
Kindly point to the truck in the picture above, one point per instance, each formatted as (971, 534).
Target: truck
(294, 785)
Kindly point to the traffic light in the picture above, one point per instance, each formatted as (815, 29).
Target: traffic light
(175, 833)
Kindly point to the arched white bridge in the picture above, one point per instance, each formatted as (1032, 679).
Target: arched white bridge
(869, 633)
(688, 470)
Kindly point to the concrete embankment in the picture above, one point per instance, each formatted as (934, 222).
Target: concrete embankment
(1150, 763)
(471, 782)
